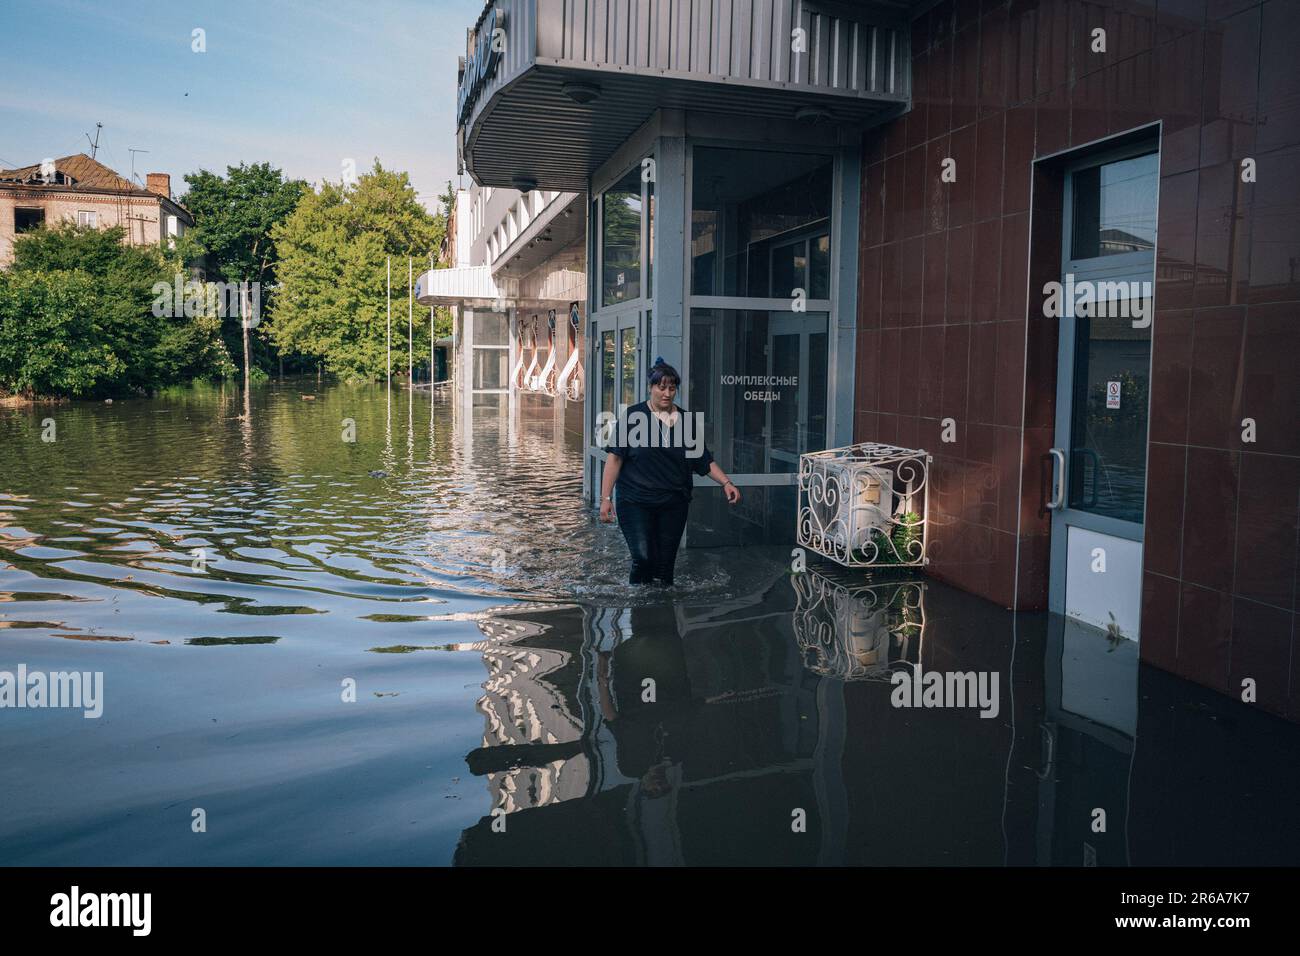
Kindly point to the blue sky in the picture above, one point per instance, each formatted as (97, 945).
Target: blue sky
(303, 84)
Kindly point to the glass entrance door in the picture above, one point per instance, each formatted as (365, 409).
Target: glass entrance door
(618, 362)
(1098, 492)
(794, 410)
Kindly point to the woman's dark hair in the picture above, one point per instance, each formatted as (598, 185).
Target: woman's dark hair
(663, 370)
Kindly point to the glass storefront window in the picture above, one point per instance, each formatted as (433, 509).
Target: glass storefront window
(490, 328)
(759, 221)
(759, 379)
(1115, 208)
(490, 368)
(620, 235)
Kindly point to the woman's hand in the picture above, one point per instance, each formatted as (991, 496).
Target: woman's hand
(607, 511)
(732, 493)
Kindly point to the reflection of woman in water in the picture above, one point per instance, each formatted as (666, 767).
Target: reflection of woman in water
(654, 479)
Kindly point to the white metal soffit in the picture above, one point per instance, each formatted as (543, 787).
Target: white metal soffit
(463, 284)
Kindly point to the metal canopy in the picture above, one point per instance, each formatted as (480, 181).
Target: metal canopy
(624, 59)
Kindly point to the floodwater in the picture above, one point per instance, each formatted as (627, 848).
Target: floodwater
(441, 663)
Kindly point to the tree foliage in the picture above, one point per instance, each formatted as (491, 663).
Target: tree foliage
(76, 318)
(330, 303)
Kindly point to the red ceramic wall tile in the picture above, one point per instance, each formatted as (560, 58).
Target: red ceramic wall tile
(1176, 240)
(1042, 337)
(961, 192)
(867, 376)
(1266, 552)
(1171, 361)
(1176, 99)
(1018, 155)
(888, 369)
(1270, 392)
(1280, 88)
(1006, 466)
(891, 285)
(989, 145)
(918, 117)
(1261, 652)
(1021, 29)
(1274, 240)
(986, 271)
(1128, 91)
(1014, 267)
(965, 80)
(1214, 402)
(1166, 478)
(909, 370)
(1175, 18)
(1136, 29)
(1210, 517)
(912, 265)
(1204, 636)
(895, 191)
(1052, 122)
(873, 205)
(939, 117)
(1088, 119)
(956, 359)
(1086, 17)
(982, 372)
(934, 279)
(936, 190)
(993, 59)
(1160, 600)
(1223, 223)
(916, 181)
(1052, 49)
(931, 372)
(960, 261)
(1010, 384)
(1230, 95)
(869, 289)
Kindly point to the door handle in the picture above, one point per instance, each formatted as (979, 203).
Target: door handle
(1058, 483)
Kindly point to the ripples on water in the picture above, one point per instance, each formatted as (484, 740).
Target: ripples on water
(131, 498)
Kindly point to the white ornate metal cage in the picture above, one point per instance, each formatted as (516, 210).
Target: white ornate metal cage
(865, 505)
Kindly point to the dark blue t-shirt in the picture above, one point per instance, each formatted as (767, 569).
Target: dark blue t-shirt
(657, 461)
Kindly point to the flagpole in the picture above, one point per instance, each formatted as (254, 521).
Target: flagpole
(389, 340)
(432, 345)
(410, 322)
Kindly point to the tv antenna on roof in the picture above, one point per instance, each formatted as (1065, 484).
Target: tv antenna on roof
(133, 150)
(94, 145)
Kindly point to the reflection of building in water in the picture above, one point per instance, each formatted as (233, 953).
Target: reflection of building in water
(530, 754)
(858, 631)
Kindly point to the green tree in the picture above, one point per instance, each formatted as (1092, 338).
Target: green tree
(234, 215)
(80, 296)
(53, 339)
(330, 303)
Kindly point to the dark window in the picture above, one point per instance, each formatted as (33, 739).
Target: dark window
(25, 220)
(757, 218)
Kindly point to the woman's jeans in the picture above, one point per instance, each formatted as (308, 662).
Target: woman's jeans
(653, 534)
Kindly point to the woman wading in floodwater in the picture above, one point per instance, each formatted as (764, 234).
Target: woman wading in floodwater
(652, 461)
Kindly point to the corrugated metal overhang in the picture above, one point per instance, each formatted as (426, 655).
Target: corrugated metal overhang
(532, 129)
(637, 56)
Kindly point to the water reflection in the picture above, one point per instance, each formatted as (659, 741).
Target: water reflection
(508, 676)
